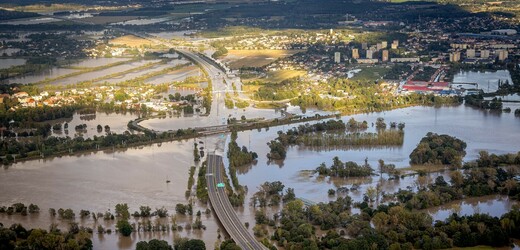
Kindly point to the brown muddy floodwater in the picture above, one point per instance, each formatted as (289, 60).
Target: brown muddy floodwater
(118, 123)
(494, 205)
(497, 133)
(99, 181)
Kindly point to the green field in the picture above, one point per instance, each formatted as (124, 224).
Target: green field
(372, 73)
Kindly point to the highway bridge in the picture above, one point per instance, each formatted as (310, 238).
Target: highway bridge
(222, 207)
(218, 197)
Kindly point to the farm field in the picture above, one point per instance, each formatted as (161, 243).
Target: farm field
(131, 41)
(255, 58)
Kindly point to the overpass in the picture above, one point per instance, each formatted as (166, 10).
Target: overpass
(222, 207)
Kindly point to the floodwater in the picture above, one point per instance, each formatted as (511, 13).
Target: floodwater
(38, 20)
(144, 21)
(219, 116)
(177, 75)
(9, 62)
(9, 51)
(107, 71)
(98, 181)
(494, 205)
(463, 122)
(33, 78)
(506, 98)
(132, 75)
(100, 61)
(487, 81)
(118, 123)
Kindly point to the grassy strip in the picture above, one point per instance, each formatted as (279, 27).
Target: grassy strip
(202, 191)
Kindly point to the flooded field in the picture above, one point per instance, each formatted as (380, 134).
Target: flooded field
(144, 21)
(175, 76)
(95, 62)
(10, 62)
(494, 205)
(33, 78)
(98, 181)
(487, 81)
(219, 117)
(118, 123)
(100, 73)
(28, 21)
(463, 122)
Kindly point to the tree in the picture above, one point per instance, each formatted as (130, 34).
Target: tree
(124, 227)
(145, 211)
(7, 239)
(122, 211)
(153, 245)
(229, 245)
(186, 244)
(457, 179)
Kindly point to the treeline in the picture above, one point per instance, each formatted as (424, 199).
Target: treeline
(344, 169)
(202, 191)
(20, 208)
(479, 102)
(17, 237)
(11, 149)
(331, 134)
(221, 49)
(278, 146)
(439, 149)
(353, 140)
(238, 157)
(26, 116)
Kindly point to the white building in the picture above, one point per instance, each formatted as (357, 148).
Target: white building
(370, 54)
(337, 57)
(455, 56)
(470, 53)
(484, 53)
(502, 54)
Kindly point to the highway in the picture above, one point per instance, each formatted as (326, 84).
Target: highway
(218, 197)
(222, 207)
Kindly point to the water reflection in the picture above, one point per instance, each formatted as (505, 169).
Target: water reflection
(494, 205)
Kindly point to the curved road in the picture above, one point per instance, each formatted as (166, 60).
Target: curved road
(222, 207)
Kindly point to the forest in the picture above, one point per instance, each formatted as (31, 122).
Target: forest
(439, 149)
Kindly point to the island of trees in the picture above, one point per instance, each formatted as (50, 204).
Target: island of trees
(439, 149)
(332, 134)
